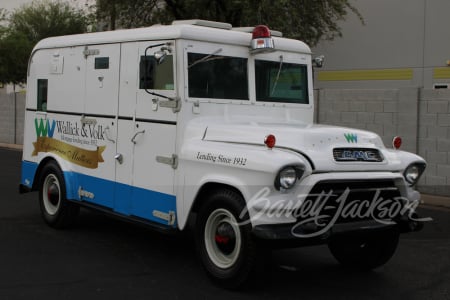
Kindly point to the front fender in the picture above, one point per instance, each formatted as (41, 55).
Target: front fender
(402, 159)
(248, 168)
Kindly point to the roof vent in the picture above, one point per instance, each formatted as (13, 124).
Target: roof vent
(204, 23)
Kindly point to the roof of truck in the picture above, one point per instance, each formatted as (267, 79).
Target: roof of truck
(178, 30)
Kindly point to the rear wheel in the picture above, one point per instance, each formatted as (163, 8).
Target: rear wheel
(224, 242)
(367, 252)
(56, 210)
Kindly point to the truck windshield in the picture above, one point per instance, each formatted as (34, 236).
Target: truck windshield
(217, 76)
(281, 82)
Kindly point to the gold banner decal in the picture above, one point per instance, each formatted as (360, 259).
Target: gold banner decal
(82, 157)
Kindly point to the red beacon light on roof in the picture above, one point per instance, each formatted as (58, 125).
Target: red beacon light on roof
(262, 40)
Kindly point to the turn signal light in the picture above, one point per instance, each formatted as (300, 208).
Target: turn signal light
(397, 142)
(270, 141)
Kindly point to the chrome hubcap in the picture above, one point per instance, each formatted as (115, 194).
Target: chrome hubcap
(222, 238)
(51, 194)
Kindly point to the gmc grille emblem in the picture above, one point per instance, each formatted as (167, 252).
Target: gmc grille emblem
(369, 155)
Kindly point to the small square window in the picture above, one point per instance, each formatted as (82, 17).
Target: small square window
(42, 85)
(101, 63)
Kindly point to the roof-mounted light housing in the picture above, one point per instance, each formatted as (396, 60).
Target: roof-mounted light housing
(204, 23)
(262, 40)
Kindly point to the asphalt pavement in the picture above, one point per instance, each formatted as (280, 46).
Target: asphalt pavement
(108, 259)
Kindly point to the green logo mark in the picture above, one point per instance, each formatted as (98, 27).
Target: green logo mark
(44, 128)
(351, 137)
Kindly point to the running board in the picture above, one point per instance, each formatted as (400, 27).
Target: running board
(130, 219)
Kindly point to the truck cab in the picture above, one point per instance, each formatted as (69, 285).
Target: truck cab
(202, 121)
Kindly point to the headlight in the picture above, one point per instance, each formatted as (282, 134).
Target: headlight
(413, 173)
(288, 177)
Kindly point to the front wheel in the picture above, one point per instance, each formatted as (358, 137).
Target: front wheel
(224, 242)
(367, 252)
(56, 210)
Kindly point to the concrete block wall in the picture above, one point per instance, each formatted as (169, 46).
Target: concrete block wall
(389, 112)
(434, 140)
(420, 116)
(12, 113)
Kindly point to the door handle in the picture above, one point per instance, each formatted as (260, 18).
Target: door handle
(106, 133)
(119, 158)
(133, 139)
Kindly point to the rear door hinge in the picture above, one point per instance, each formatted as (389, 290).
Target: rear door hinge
(168, 217)
(171, 161)
(88, 52)
(174, 104)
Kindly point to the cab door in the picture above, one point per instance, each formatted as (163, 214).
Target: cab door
(147, 132)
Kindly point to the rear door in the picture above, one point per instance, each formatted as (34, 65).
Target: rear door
(99, 125)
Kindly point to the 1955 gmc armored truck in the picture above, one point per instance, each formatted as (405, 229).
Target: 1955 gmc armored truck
(201, 121)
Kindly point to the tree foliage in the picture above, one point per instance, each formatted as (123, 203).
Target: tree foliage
(126, 13)
(2, 22)
(305, 20)
(28, 25)
(40, 20)
(14, 53)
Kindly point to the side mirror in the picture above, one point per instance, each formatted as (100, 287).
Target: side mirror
(318, 61)
(160, 56)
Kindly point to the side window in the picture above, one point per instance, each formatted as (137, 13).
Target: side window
(218, 77)
(42, 92)
(153, 76)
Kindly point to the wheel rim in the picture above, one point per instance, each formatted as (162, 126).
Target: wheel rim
(51, 194)
(222, 238)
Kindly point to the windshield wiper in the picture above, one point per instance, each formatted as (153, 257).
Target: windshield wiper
(203, 59)
(278, 76)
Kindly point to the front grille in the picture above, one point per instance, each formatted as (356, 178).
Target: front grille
(348, 201)
(357, 154)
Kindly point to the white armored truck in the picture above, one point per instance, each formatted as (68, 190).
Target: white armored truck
(202, 122)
